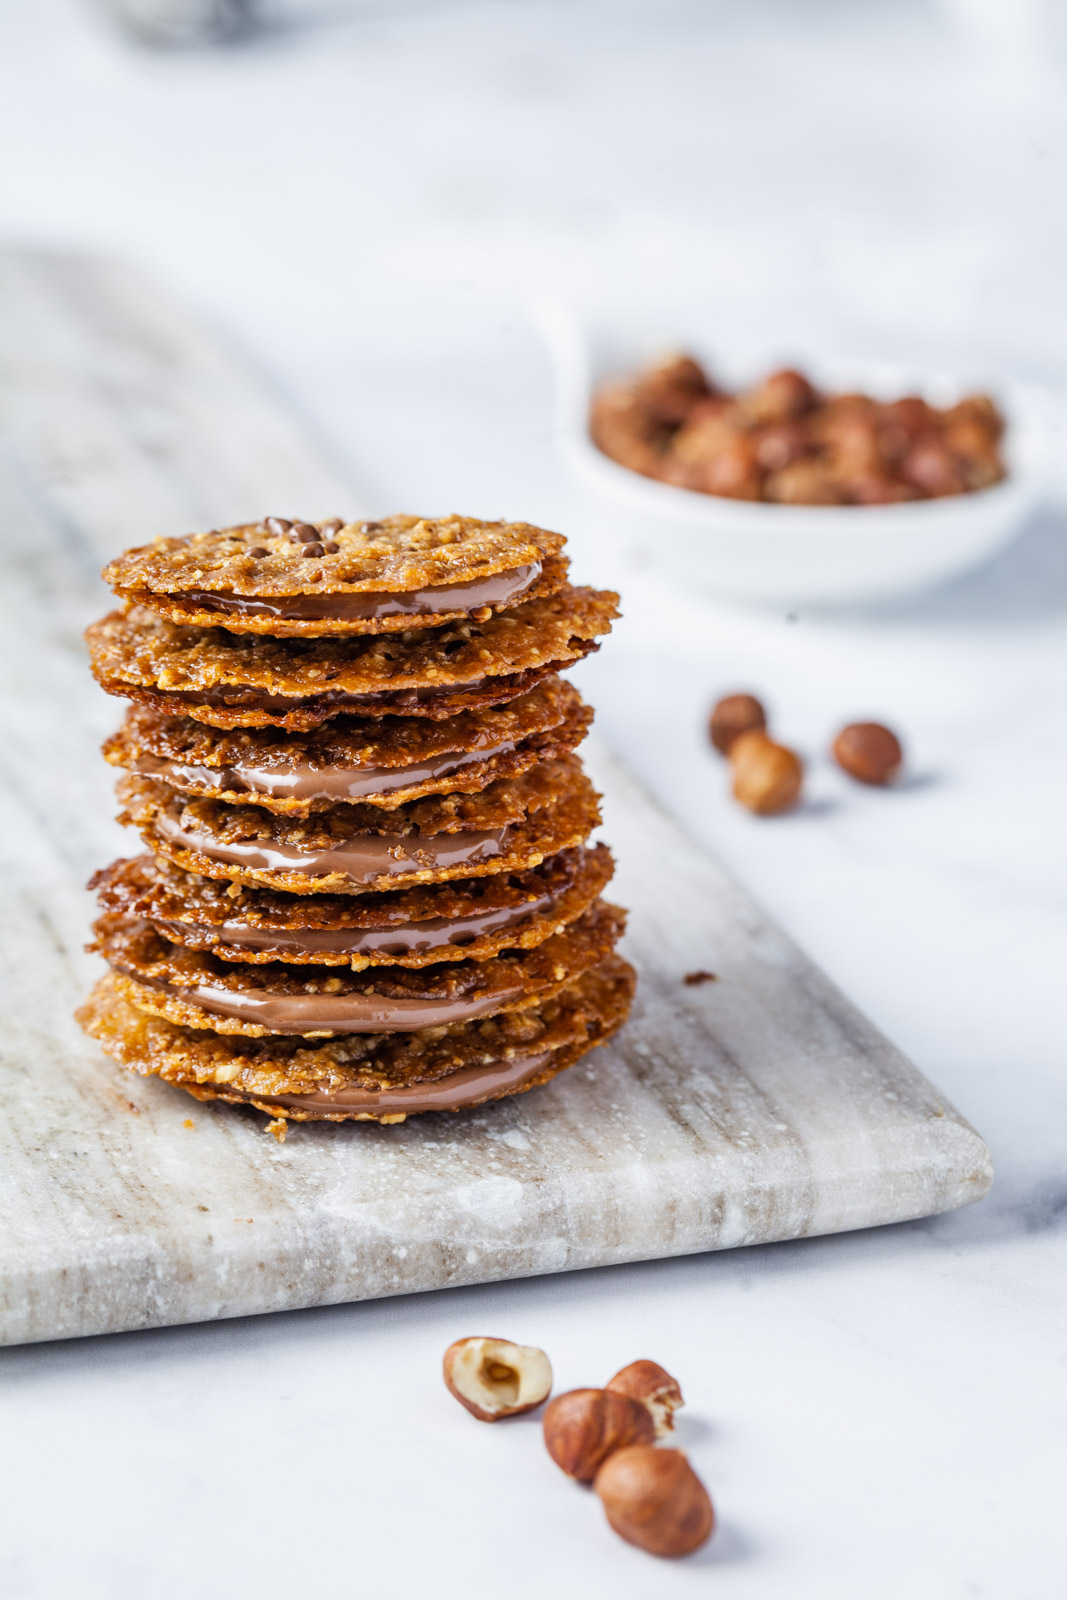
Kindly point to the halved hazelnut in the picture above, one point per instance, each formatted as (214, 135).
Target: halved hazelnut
(584, 1427)
(648, 1382)
(654, 1499)
(495, 1378)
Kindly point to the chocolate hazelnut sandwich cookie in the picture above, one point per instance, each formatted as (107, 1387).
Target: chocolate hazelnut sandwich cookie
(250, 681)
(307, 578)
(383, 761)
(418, 927)
(355, 848)
(369, 889)
(201, 990)
(368, 1077)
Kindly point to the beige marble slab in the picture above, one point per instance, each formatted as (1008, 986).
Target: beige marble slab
(761, 1106)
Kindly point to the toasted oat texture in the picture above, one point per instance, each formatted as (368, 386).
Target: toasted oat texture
(239, 1069)
(161, 973)
(548, 809)
(268, 561)
(202, 761)
(232, 680)
(198, 912)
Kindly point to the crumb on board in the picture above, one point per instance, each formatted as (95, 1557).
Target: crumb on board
(700, 976)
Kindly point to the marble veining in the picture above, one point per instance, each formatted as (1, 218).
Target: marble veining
(756, 1107)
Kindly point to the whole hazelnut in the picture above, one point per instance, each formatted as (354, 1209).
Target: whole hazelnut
(733, 715)
(585, 1426)
(779, 445)
(654, 1387)
(669, 389)
(767, 776)
(654, 1499)
(929, 466)
(495, 1378)
(622, 429)
(779, 398)
(869, 752)
(804, 483)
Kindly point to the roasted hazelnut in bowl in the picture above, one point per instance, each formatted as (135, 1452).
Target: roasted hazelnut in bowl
(836, 484)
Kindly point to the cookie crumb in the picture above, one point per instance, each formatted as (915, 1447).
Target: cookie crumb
(279, 1127)
(700, 976)
(188, 1123)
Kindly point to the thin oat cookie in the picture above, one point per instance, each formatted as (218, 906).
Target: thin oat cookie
(244, 1070)
(384, 762)
(299, 579)
(415, 928)
(201, 991)
(231, 680)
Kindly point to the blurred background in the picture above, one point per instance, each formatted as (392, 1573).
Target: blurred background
(365, 193)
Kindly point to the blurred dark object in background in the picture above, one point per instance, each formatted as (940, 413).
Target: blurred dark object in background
(174, 23)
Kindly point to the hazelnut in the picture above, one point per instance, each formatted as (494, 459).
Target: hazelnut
(733, 472)
(494, 1378)
(733, 715)
(648, 1382)
(977, 408)
(779, 398)
(779, 445)
(668, 390)
(930, 467)
(869, 752)
(804, 483)
(910, 413)
(767, 776)
(584, 1427)
(654, 1499)
(877, 489)
(622, 429)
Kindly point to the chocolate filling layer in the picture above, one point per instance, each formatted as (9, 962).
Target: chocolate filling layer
(362, 858)
(364, 606)
(252, 699)
(404, 939)
(459, 1089)
(301, 781)
(335, 1013)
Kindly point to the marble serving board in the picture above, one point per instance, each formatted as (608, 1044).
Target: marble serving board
(752, 1107)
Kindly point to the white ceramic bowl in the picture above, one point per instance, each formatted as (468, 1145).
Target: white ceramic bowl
(789, 554)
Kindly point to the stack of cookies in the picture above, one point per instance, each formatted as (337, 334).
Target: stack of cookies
(368, 890)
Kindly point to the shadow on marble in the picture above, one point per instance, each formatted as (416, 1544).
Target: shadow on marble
(727, 1548)
(915, 782)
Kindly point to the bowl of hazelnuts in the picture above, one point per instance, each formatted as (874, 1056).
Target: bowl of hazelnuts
(842, 485)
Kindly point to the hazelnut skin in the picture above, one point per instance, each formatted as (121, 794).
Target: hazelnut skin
(654, 1387)
(495, 1378)
(767, 777)
(585, 1426)
(868, 752)
(733, 715)
(653, 1499)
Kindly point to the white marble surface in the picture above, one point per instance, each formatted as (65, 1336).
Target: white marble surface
(748, 1110)
(365, 205)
